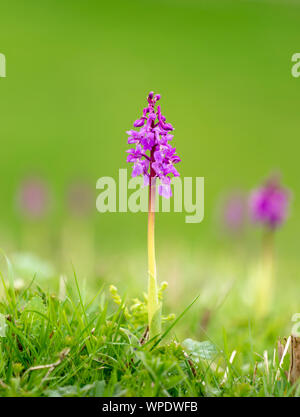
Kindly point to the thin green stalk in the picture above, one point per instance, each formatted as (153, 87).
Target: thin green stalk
(154, 307)
(267, 272)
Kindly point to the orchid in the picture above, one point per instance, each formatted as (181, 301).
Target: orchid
(268, 206)
(234, 212)
(154, 158)
(79, 198)
(33, 198)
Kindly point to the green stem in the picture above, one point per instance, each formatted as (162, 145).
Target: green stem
(266, 283)
(154, 307)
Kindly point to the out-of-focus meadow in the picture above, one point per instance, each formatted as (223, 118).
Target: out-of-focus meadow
(77, 77)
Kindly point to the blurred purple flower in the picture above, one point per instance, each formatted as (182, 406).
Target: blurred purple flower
(33, 198)
(153, 156)
(234, 211)
(80, 198)
(269, 204)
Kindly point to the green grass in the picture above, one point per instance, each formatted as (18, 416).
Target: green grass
(79, 344)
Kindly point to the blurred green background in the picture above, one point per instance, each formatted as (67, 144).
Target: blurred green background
(77, 77)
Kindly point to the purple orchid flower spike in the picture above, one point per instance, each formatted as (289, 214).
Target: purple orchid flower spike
(269, 204)
(234, 212)
(33, 198)
(153, 156)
